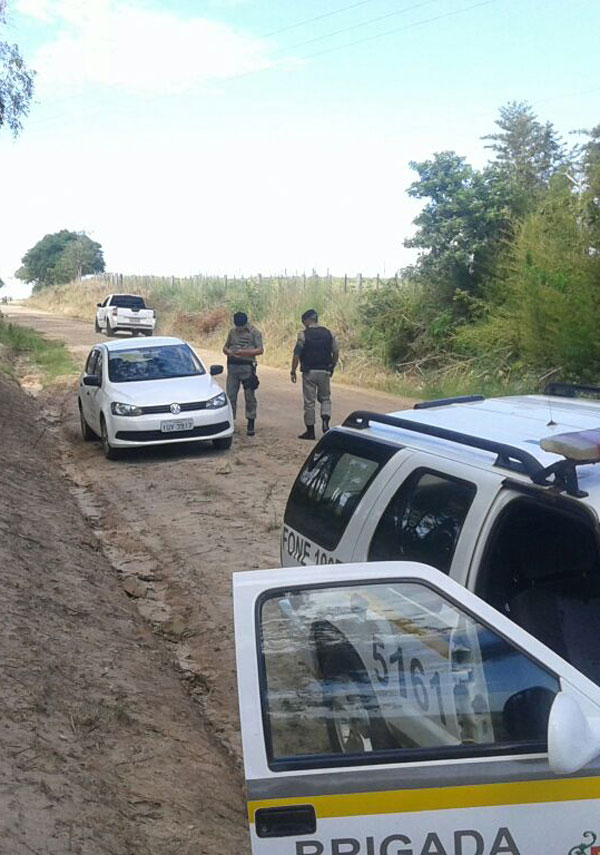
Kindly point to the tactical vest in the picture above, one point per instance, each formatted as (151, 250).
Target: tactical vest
(316, 353)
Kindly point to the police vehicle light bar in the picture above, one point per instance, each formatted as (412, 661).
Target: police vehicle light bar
(577, 447)
(580, 445)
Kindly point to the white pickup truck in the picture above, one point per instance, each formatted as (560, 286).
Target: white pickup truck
(125, 312)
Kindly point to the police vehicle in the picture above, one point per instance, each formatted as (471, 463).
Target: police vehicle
(388, 708)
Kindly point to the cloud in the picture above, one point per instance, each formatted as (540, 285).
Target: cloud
(38, 9)
(138, 50)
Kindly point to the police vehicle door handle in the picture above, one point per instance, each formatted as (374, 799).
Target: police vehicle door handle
(285, 821)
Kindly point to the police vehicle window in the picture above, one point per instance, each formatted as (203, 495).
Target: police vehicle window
(542, 569)
(393, 672)
(423, 521)
(331, 484)
(153, 363)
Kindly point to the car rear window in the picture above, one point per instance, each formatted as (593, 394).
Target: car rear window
(153, 363)
(127, 301)
(331, 484)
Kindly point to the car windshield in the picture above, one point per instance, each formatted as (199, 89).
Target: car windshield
(127, 301)
(153, 363)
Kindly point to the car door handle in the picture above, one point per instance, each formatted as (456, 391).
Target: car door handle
(285, 821)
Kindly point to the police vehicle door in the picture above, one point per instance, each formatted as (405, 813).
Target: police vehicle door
(387, 710)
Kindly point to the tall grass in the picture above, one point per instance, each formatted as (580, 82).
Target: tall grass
(51, 358)
(200, 311)
(387, 337)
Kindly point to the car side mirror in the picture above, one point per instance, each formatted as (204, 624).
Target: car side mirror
(573, 736)
(91, 380)
(99, 305)
(216, 369)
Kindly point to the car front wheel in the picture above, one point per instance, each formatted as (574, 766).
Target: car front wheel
(87, 434)
(222, 442)
(109, 452)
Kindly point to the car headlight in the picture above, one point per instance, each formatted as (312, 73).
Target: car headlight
(118, 409)
(216, 402)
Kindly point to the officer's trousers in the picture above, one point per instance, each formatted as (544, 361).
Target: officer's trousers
(316, 386)
(236, 375)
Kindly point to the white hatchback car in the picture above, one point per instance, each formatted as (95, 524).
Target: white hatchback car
(132, 395)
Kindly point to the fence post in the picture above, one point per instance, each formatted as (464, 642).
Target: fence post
(359, 282)
(377, 283)
(304, 281)
(225, 281)
(345, 283)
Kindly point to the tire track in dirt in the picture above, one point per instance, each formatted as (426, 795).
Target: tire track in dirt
(177, 521)
(100, 749)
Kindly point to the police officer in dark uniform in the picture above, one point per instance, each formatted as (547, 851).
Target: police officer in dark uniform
(244, 343)
(317, 352)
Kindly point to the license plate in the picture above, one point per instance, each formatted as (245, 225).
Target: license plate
(176, 427)
(135, 320)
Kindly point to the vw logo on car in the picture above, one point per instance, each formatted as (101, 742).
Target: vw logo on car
(175, 409)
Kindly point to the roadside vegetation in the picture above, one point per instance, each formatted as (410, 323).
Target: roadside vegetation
(51, 359)
(502, 298)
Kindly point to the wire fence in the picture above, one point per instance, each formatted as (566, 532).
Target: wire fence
(283, 282)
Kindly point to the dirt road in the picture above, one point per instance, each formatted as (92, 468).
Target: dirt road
(176, 522)
(102, 751)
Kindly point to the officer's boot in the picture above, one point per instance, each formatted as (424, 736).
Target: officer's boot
(309, 433)
(250, 430)
(325, 423)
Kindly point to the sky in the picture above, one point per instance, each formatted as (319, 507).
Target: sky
(245, 136)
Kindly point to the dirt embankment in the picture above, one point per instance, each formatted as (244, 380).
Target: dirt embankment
(175, 523)
(101, 748)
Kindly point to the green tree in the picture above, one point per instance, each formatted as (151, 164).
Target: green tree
(588, 185)
(16, 83)
(527, 154)
(461, 225)
(57, 258)
(469, 215)
(79, 258)
(547, 314)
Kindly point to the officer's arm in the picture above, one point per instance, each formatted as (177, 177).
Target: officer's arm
(227, 344)
(296, 356)
(257, 341)
(335, 351)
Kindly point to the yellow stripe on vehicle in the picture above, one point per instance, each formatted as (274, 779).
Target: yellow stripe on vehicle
(440, 798)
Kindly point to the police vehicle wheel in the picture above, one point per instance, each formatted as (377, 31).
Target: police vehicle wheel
(353, 716)
(96, 326)
(354, 722)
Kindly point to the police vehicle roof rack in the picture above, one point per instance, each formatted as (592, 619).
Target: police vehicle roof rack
(571, 390)
(441, 402)
(508, 456)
